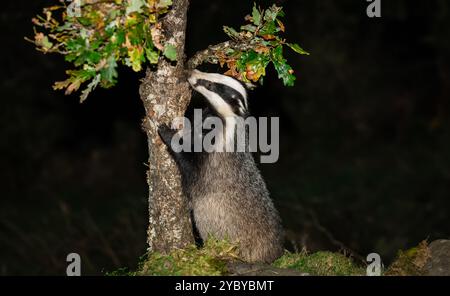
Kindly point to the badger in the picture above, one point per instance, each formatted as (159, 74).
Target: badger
(227, 194)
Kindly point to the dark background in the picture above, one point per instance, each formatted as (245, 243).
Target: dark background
(365, 138)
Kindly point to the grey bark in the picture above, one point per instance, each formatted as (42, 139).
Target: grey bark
(165, 93)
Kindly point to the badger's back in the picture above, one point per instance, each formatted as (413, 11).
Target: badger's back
(230, 200)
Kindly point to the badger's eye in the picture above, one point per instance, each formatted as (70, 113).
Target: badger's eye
(208, 84)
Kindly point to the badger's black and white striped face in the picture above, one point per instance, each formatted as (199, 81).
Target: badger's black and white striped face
(226, 95)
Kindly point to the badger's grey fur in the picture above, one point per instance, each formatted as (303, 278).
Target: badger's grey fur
(228, 195)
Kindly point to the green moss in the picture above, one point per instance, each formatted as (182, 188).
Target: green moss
(124, 271)
(410, 262)
(213, 257)
(208, 260)
(320, 263)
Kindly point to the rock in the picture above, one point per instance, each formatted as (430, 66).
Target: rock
(247, 269)
(439, 261)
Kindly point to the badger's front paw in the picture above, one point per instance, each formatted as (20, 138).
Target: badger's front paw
(166, 133)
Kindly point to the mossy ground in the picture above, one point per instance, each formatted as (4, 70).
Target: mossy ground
(410, 262)
(320, 263)
(213, 257)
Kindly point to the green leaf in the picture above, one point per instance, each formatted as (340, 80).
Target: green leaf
(45, 43)
(297, 48)
(135, 6)
(119, 37)
(249, 28)
(152, 55)
(245, 58)
(93, 57)
(91, 86)
(164, 3)
(136, 34)
(284, 71)
(258, 67)
(109, 73)
(271, 13)
(135, 58)
(75, 44)
(269, 28)
(170, 52)
(277, 54)
(84, 21)
(252, 65)
(256, 15)
(76, 78)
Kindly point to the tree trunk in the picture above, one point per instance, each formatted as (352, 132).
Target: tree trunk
(165, 93)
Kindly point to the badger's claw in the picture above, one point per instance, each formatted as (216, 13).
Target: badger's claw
(166, 133)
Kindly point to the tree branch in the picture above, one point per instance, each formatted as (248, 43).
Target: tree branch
(209, 55)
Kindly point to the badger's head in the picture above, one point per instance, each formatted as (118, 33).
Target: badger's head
(225, 94)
